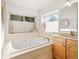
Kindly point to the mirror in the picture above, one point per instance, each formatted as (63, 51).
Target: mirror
(69, 18)
(65, 23)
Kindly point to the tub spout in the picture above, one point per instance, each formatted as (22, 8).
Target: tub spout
(46, 38)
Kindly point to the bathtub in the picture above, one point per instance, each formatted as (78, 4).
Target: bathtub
(20, 46)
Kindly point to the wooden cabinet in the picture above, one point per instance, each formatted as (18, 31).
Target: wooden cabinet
(59, 48)
(65, 48)
(72, 49)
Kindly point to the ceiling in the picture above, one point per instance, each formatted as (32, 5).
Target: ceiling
(34, 4)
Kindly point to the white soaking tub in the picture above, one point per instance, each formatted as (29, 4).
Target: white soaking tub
(21, 46)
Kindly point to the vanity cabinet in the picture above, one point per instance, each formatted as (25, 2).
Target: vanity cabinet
(72, 49)
(65, 48)
(58, 48)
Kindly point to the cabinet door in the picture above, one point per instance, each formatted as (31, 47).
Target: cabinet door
(72, 49)
(59, 48)
(73, 53)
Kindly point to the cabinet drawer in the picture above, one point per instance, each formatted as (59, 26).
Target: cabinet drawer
(72, 43)
(59, 40)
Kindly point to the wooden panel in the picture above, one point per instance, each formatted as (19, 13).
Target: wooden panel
(59, 40)
(59, 51)
(71, 43)
(72, 53)
(59, 48)
(65, 48)
(43, 53)
(72, 49)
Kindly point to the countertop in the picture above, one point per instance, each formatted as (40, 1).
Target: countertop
(68, 37)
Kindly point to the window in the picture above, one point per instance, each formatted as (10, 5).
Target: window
(22, 18)
(16, 18)
(29, 19)
(52, 18)
(50, 22)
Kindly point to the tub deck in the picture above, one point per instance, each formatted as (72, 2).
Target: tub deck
(13, 52)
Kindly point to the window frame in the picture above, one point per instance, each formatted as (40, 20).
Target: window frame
(48, 14)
